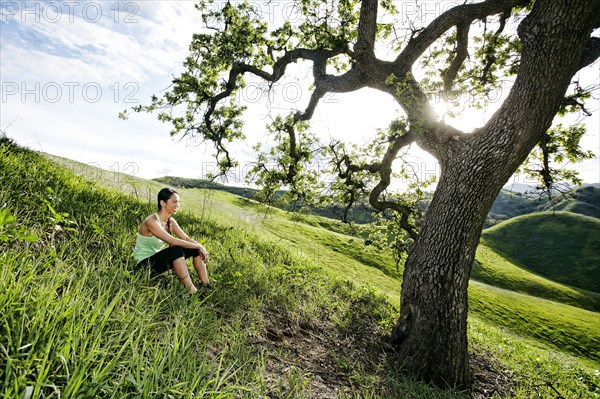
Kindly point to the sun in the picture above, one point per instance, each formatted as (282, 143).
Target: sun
(460, 115)
(440, 107)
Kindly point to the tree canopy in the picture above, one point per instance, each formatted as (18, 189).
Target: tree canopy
(469, 49)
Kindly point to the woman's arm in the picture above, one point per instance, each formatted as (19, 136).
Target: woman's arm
(181, 234)
(156, 230)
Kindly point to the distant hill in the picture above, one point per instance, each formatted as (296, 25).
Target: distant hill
(357, 214)
(207, 184)
(562, 246)
(584, 201)
(509, 204)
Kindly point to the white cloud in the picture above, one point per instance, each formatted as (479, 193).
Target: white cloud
(78, 48)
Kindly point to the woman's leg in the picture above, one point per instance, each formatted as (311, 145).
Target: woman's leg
(181, 270)
(200, 267)
(172, 257)
(199, 264)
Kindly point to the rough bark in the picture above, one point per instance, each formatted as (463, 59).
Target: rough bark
(431, 330)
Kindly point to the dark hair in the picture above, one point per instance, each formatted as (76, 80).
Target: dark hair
(164, 195)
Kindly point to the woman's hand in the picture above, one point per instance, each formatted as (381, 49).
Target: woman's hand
(203, 252)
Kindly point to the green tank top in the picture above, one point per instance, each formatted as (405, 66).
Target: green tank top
(145, 246)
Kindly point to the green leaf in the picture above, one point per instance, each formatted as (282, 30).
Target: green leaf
(28, 237)
(6, 218)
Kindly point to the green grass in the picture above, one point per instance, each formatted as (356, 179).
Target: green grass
(533, 370)
(75, 321)
(493, 269)
(561, 246)
(552, 324)
(346, 257)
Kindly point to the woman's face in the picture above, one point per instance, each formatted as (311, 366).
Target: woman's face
(171, 205)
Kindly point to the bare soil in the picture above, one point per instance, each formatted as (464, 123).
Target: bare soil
(336, 361)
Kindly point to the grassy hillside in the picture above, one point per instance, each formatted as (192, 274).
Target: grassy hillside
(509, 204)
(76, 320)
(559, 245)
(493, 269)
(582, 200)
(347, 257)
(283, 321)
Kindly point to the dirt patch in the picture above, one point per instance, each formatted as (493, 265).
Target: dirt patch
(489, 378)
(336, 361)
(331, 358)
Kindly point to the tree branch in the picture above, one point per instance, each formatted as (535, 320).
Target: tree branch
(364, 48)
(545, 172)
(572, 101)
(463, 14)
(346, 170)
(385, 173)
(591, 52)
(491, 57)
(462, 43)
(319, 56)
(350, 81)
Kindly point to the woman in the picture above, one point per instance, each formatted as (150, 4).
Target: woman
(155, 232)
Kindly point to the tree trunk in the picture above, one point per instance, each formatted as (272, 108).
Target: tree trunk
(432, 329)
(431, 333)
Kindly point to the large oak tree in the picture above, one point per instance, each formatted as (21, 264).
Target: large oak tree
(469, 46)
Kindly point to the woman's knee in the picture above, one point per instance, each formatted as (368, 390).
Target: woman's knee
(189, 252)
(176, 252)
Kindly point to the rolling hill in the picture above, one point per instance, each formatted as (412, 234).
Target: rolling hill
(582, 200)
(562, 246)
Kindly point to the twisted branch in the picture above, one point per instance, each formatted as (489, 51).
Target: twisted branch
(346, 170)
(462, 43)
(385, 173)
(491, 58)
(455, 16)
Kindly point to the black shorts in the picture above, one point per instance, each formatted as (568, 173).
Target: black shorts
(162, 261)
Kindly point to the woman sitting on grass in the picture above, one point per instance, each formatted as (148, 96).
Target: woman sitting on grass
(155, 232)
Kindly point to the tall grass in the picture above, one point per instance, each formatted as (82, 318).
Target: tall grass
(77, 321)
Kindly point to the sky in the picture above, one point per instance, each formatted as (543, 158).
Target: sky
(68, 68)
